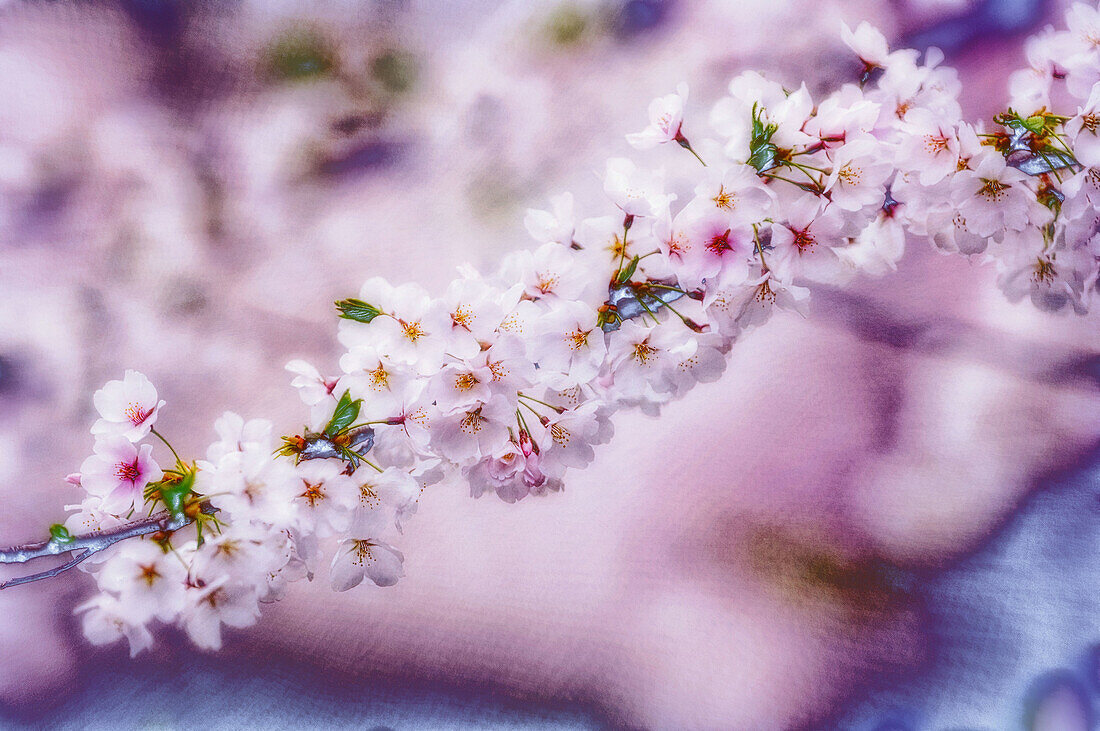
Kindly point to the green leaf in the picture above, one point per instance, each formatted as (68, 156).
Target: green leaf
(347, 411)
(60, 533)
(626, 274)
(358, 310)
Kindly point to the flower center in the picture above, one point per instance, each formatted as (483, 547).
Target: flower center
(1044, 271)
(363, 553)
(850, 174)
(313, 494)
(545, 282)
(512, 323)
(677, 245)
(413, 331)
(935, 144)
(498, 370)
(228, 548)
(367, 495)
(725, 199)
(471, 423)
(560, 434)
(804, 240)
(577, 339)
(465, 381)
(463, 316)
(993, 190)
(618, 246)
(764, 292)
(720, 243)
(136, 414)
(252, 490)
(643, 353)
(149, 573)
(418, 417)
(379, 378)
(216, 597)
(127, 471)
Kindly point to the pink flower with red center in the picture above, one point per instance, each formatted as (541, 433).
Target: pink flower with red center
(717, 249)
(128, 407)
(118, 472)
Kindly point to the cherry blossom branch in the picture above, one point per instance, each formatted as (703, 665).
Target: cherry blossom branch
(84, 546)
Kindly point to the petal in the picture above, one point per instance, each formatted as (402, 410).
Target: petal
(387, 566)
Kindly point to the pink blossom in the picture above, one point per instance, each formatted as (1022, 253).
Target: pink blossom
(128, 407)
(118, 472)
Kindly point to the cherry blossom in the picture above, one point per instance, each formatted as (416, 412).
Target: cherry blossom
(118, 471)
(361, 558)
(128, 407)
(666, 116)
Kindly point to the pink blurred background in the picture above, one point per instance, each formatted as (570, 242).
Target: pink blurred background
(186, 187)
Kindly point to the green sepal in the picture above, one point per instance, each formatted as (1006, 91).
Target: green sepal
(625, 275)
(763, 153)
(60, 533)
(358, 310)
(1035, 124)
(174, 494)
(347, 411)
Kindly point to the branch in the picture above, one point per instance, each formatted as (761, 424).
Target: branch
(83, 546)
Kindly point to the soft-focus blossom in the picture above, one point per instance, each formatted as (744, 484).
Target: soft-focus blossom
(666, 116)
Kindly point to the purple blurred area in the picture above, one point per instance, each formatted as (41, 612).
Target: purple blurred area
(185, 187)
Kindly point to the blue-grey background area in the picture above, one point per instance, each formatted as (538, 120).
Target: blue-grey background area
(1007, 625)
(209, 691)
(1013, 621)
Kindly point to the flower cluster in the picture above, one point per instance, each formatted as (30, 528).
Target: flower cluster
(506, 381)
(253, 522)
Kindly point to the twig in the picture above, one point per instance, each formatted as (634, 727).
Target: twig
(47, 574)
(88, 544)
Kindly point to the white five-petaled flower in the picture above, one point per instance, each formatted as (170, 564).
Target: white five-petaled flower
(859, 174)
(867, 42)
(570, 347)
(146, 578)
(128, 407)
(365, 558)
(993, 197)
(218, 602)
(930, 148)
(636, 192)
(108, 619)
(666, 116)
(556, 226)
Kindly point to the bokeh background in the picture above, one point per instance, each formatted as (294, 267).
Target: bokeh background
(884, 517)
